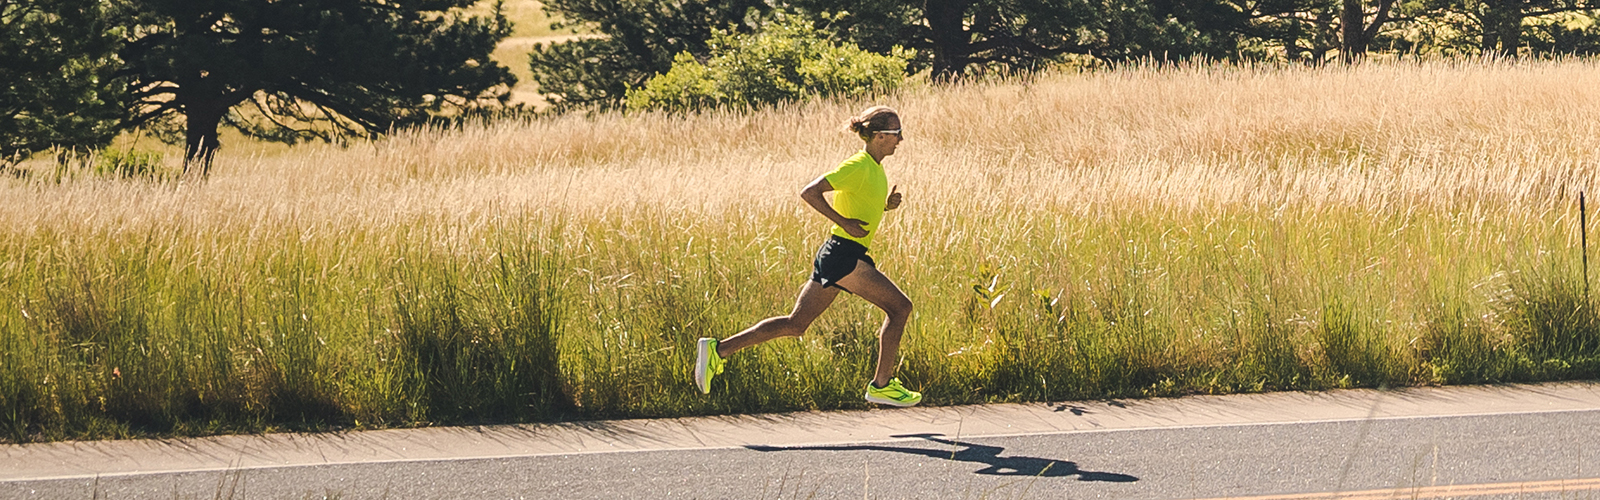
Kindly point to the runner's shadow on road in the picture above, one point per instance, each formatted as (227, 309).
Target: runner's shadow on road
(977, 453)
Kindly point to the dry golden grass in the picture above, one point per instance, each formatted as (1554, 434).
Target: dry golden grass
(1496, 139)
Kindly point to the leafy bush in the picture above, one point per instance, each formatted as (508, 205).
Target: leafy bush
(129, 164)
(689, 85)
(788, 61)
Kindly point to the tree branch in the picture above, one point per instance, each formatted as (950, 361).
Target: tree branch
(270, 116)
(270, 112)
(343, 127)
(155, 90)
(143, 118)
(1378, 20)
(1024, 45)
(1556, 10)
(324, 104)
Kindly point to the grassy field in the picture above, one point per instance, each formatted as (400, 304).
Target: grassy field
(1130, 233)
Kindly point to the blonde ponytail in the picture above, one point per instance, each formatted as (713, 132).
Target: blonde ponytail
(871, 120)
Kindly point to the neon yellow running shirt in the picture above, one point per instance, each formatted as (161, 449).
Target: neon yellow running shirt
(861, 191)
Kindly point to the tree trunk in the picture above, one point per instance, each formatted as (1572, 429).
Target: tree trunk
(1356, 35)
(200, 135)
(1502, 26)
(1352, 31)
(952, 45)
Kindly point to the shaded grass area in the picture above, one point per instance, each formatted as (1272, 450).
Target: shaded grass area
(123, 335)
(185, 331)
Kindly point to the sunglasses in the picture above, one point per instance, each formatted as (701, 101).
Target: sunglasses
(896, 132)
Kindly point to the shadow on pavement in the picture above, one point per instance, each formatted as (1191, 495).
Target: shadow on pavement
(977, 453)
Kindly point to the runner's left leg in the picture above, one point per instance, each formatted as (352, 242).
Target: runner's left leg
(866, 282)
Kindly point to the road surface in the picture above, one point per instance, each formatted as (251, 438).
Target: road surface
(1529, 441)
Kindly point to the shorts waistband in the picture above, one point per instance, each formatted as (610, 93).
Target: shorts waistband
(835, 239)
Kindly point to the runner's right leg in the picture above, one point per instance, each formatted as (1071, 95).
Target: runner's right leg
(814, 298)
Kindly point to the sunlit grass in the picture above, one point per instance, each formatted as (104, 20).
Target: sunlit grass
(1137, 232)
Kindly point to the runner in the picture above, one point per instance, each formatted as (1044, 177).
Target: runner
(842, 262)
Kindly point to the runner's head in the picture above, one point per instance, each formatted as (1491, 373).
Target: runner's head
(879, 126)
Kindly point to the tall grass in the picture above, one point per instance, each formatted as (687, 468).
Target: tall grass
(1136, 232)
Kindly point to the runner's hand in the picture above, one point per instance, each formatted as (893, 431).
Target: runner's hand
(894, 199)
(855, 228)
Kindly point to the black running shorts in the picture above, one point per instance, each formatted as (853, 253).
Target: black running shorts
(836, 259)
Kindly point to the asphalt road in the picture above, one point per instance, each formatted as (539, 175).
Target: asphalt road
(1541, 454)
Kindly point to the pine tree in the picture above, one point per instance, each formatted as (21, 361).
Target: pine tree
(56, 61)
(641, 38)
(307, 69)
(954, 36)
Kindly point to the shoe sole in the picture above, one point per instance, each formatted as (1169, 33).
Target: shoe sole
(702, 362)
(891, 402)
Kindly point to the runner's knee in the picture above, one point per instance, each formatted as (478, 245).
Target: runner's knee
(899, 309)
(792, 326)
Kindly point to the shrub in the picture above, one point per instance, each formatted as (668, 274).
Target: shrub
(689, 85)
(129, 164)
(786, 62)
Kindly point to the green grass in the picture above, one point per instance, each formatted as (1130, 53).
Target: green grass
(119, 335)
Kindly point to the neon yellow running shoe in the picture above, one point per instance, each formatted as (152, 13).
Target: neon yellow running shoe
(893, 394)
(707, 364)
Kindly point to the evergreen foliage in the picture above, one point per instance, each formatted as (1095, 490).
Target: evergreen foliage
(313, 69)
(954, 37)
(638, 39)
(1506, 27)
(56, 60)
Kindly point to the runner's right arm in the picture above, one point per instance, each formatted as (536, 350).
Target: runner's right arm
(812, 194)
